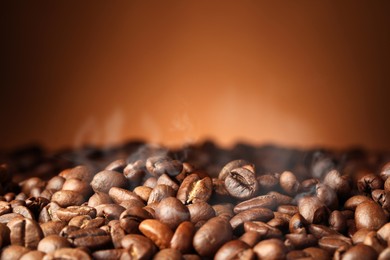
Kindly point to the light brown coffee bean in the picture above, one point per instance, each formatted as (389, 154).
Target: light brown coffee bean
(158, 232)
(369, 215)
(270, 249)
(182, 238)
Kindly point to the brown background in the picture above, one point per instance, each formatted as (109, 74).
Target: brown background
(299, 73)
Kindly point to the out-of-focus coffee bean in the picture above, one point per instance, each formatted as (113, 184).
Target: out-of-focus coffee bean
(338, 183)
(327, 196)
(332, 243)
(200, 211)
(47, 193)
(270, 249)
(13, 252)
(24, 211)
(194, 189)
(116, 233)
(25, 232)
(313, 210)
(280, 198)
(68, 253)
(117, 165)
(166, 180)
(55, 183)
(278, 223)
(296, 254)
(168, 253)
(385, 254)
(6, 218)
(52, 242)
(82, 187)
(259, 214)
(135, 172)
(375, 242)
(298, 224)
(103, 181)
(251, 238)
(224, 210)
(150, 182)
(158, 232)
(99, 198)
(79, 221)
(182, 238)
(119, 195)
(211, 236)
(268, 182)
(262, 228)
(264, 201)
(381, 197)
(288, 209)
(289, 183)
(5, 208)
(360, 235)
(172, 212)
(384, 232)
(317, 253)
(80, 172)
(234, 165)
(241, 183)
(360, 251)
(143, 192)
(191, 257)
(66, 214)
(158, 165)
(109, 254)
(234, 249)
(33, 182)
(369, 215)
(354, 201)
(89, 237)
(337, 221)
(4, 235)
(301, 241)
(52, 227)
(33, 255)
(160, 192)
(66, 198)
(320, 231)
(369, 182)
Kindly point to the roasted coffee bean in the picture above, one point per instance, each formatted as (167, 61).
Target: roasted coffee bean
(66, 214)
(119, 195)
(13, 252)
(191, 257)
(264, 201)
(278, 223)
(80, 172)
(301, 241)
(381, 197)
(116, 233)
(268, 182)
(52, 227)
(270, 249)
(135, 172)
(332, 243)
(280, 198)
(82, 187)
(211, 236)
(168, 253)
(200, 211)
(289, 183)
(25, 232)
(369, 182)
(182, 238)
(110, 254)
(337, 221)
(251, 238)
(241, 183)
(52, 242)
(117, 165)
(166, 180)
(33, 255)
(296, 254)
(262, 228)
(340, 184)
(150, 182)
(66, 198)
(317, 253)
(4, 219)
(68, 253)
(234, 165)
(373, 240)
(369, 215)
(109, 211)
(194, 189)
(31, 183)
(5, 208)
(327, 196)
(49, 212)
(160, 192)
(385, 254)
(47, 193)
(360, 251)
(385, 171)
(320, 231)
(99, 198)
(103, 181)
(24, 211)
(158, 232)
(143, 192)
(89, 237)
(159, 165)
(313, 210)
(222, 210)
(354, 201)
(55, 183)
(288, 209)
(172, 212)
(384, 232)
(139, 246)
(360, 235)
(4, 235)
(298, 224)
(235, 249)
(260, 214)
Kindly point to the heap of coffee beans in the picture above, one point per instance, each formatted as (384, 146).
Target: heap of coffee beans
(140, 201)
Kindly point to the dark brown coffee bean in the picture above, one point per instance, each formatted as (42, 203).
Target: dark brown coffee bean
(270, 249)
(301, 241)
(150, 182)
(337, 221)
(360, 251)
(182, 238)
(280, 198)
(172, 212)
(259, 214)
(234, 165)
(109, 211)
(224, 210)
(264, 201)
(139, 246)
(332, 243)
(278, 223)
(143, 192)
(68, 253)
(49, 212)
(158, 165)
(103, 181)
(66, 214)
(89, 237)
(13, 252)
(31, 183)
(110, 254)
(52, 227)
(211, 236)
(81, 172)
(191, 257)
(385, 171)
(354, 201)
(194, 189)
(268, 182)
(82, 187)
(55, 183)
(158, 232)
(369, 215)
(79, 221)
(135, 172)
(166, 180)
(262, 228)
(320, 231)
(51, 243)
(313, 210)
(161, 192)
(234, 249)
(119, 195)
(317, 253)
(117, 165)
(327, 196)
(340, 184)
(25, 232)
(289, 183)
(4, 235)
(168, 253)
(298, 224)
(241, 183)
(369, 182)
(116, 233)
(251, 238)
(99, 198)
(66, 198)
(381, 197)
(200, 211)
(47, 193)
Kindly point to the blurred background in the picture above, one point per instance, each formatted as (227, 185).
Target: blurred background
(295, 73)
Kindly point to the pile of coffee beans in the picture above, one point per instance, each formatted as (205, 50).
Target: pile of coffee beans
(140, 201)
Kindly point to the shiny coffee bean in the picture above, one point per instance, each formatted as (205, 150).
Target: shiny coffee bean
(234, 165)
(369, 182)
(156, 231)
(234, 249)
(289, 183)
(172, 212)
(200, 211)
(25, 232)
(89, 237)
(52, 242)
(194, 189)
(182, 238)
(313, 210)
(66, 198)
(270, 249)
(241, 183)
(103, 181)
(259, 214)
(161, 192)
(369, 215)
(360, 251)
(158, 165)
(138, 246)
(264, 201)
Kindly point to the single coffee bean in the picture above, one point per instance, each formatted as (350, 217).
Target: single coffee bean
(262, 228)
(168, 253)
(194, 189)
(68, 253)
(369, 182)
(138, 246)
(31, 183)
(241, 183)
(289, 183)
(327, 196)
(340, 184)
(66, 198)
(6, 218)
(135, 172)
(279, 224)
(296, 254)
(320, 231)
(234, 165)
(117, 165)
(337, 221)
(288, 209)
(158, 232)
(166, 180)
(234, 249)
(298, 224)
(119, 195)
(116, 233)
(150, 182)
(270, 249)
(89, 237)
(80, 172)
(109, 211)
(33, 255)
(66, 214)
(260, 214)
(385, 254)
(13, 252)
(108, 254)
(374, 241)
(313, 210)
(158, 165)
(143, 192)
(160, 192)
(251, 238)
(47, 193)
(82, 187)
(211, 236)
(172, 212)
(52, 242)
(24, 211)
(49, 212)
(280, 198)
(384, 232)
(268, 182)
(55, 183)
(79, 221)
(52, 227)
(360, 235)
(5, 208)
(200, 211)
(264, 201)
(301, 241)
(99, 198)
(25, 232)
(4, 235)
(224, 210)
(354, 201)
(360, 251)
(369, 215)
(182, 238)
(103, 181)
(332, 243)
(381, 197)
